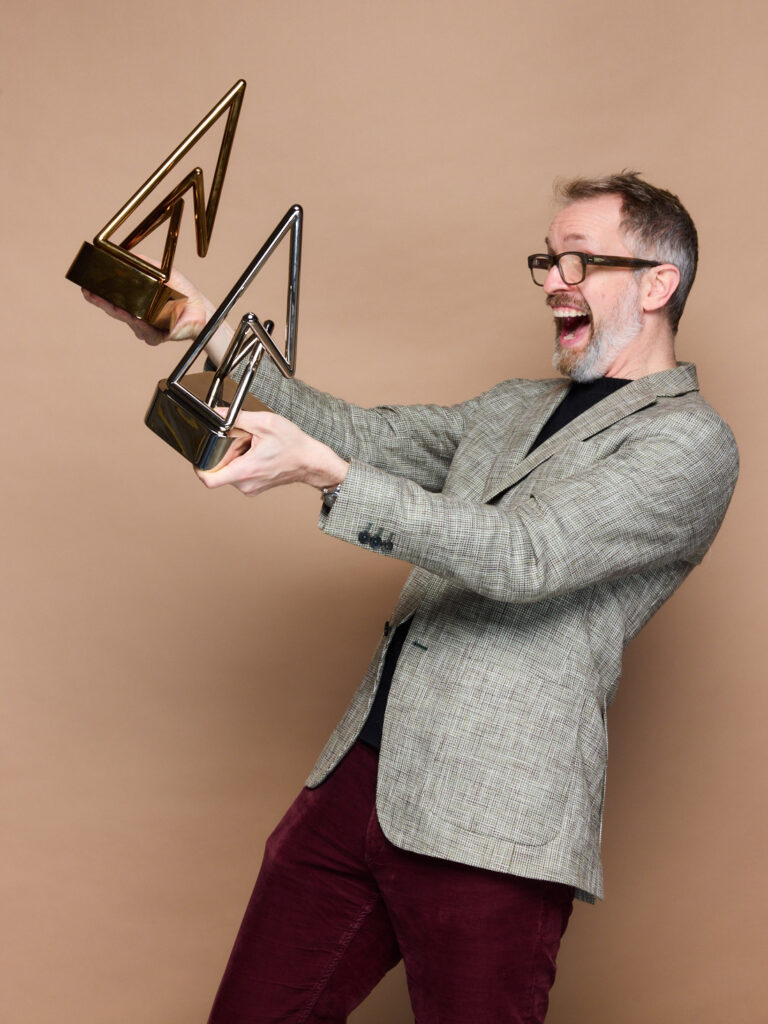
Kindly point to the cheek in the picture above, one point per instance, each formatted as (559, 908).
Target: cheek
(606, 302)
(600, 298)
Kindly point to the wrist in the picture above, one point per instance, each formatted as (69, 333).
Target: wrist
(208, 308)
(329, 472)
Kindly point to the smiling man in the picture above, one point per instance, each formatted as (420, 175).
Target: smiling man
(616, 324)
(457, 808)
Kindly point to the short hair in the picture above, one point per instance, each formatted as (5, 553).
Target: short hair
(654, 219)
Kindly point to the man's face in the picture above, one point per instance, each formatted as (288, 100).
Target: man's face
(597, 319)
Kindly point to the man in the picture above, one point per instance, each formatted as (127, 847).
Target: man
(457, 807)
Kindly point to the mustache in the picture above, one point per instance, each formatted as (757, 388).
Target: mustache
(565, 299)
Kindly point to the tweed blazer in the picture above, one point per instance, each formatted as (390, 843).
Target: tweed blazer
(531, 574)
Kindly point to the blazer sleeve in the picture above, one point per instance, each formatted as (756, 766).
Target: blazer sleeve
(659, 498)
(416, 441)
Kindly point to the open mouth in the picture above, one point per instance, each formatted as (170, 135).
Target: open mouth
(573, 324)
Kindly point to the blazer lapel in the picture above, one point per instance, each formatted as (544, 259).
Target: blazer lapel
(516, 438)
(508, 470)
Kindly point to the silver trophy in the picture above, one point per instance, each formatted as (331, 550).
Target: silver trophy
(183, 409)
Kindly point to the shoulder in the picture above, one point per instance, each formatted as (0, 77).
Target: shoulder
(518, 392)
(695, 422)
(684, 443)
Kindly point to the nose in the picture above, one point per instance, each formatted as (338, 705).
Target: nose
(553, 282)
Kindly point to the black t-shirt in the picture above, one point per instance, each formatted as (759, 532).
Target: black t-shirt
(577, 400)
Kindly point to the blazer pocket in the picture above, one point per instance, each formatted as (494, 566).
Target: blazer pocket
(593, 749)
(515, 782)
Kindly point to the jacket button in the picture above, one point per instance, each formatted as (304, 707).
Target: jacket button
(375, 542)
(387, 545)
(363, 536)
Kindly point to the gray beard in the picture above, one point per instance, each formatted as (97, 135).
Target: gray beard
(618, 330)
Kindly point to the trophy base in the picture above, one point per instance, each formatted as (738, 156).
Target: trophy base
(125, 286)
(178, 420)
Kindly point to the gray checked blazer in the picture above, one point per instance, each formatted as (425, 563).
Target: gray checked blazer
(531, 574)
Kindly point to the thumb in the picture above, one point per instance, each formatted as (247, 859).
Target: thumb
(187, 319)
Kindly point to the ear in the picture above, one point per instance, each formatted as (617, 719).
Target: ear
(658, 285)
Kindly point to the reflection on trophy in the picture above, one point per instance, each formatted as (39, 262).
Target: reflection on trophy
(183, 410)
(114, 273)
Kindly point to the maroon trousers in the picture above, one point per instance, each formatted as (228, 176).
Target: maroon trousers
(336, 905)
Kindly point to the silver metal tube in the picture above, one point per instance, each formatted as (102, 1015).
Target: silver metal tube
(190, 423)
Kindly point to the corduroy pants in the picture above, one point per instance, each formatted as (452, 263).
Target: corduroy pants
(336, 905)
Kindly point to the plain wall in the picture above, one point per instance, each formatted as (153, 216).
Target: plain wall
(174, 658)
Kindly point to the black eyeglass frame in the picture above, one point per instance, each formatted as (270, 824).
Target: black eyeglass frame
(587, 260)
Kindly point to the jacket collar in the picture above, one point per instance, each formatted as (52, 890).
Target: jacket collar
(638, 394)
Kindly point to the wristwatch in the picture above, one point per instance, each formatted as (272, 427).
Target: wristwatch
(330, 494)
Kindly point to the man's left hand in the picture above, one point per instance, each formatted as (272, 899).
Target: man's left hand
(280, 453)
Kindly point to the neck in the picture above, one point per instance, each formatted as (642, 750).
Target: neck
(652, 351)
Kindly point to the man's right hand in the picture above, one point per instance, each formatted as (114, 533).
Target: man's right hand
(187, 319)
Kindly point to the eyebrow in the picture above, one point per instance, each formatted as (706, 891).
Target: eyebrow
(572, 238)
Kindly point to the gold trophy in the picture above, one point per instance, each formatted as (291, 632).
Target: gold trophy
(183, 411)
(114, 273)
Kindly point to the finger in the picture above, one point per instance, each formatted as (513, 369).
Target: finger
(144, 331)
(257, 423)
(225, 473)
(176, 279)
(187, 320)
(209, 477)
(241, 444)
(147, 259)
(184, 317)
(108, 307)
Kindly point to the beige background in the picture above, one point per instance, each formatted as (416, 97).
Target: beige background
(174, 659)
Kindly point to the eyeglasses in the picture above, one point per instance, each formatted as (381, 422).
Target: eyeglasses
(573, 265)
